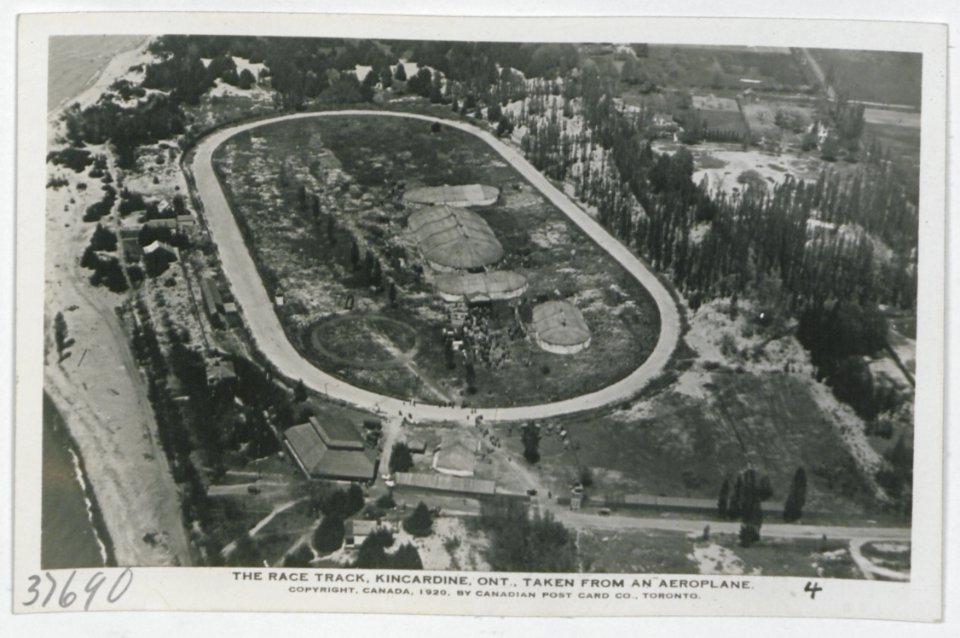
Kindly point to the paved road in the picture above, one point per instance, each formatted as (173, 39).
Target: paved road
(272, 342)
(590, 520)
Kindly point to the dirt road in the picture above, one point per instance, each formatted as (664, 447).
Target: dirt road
(269, 336)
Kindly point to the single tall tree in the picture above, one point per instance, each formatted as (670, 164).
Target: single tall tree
(420, 522)
(722, 508)
(401, 460)
(60, 333)
(749, 492)
(530, 436)
(796, 498)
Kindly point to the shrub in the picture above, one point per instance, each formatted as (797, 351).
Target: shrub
(77, 159)
(401, 460)
(329, 534)
(420, 522)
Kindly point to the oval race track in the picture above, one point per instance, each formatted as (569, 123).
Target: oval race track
(272, 342)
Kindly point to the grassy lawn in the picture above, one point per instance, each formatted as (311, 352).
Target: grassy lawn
(793, 557)
(724, 67)
(353, 166)
(724, 120)
(636, 553)
(675, 553)
(677, 445)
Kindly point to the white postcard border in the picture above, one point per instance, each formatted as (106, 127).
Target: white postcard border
(205, 588)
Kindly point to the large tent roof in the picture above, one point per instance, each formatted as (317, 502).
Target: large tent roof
(454, 237)
(482, 286)
(459, 195)
(560, 323)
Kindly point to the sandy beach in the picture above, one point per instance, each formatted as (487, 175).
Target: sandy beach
(98, 387)
(77, 61)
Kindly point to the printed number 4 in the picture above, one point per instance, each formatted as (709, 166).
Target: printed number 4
(812, 589)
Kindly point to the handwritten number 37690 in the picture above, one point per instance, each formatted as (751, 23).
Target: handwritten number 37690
(67, 597)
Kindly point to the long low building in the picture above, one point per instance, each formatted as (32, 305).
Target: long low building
(445, 483)
(460, 195)
(481, 286)
(330, 451)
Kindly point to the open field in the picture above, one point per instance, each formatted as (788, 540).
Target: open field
(684, 446)
(676, 553)
(353, 165)
(902, 142)
(725, 67)
(874, 76)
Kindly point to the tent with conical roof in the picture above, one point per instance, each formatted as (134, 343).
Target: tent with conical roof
(560, 328)
(481, 286)
(456, 238)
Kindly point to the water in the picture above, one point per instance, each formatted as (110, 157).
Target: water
(75, 61)
(72, 534)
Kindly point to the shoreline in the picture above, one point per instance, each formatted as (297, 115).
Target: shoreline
(101, 394)
(94, 514)
(93, 78)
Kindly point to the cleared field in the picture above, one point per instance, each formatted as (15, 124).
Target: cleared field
(674, 553)
(715, 103)
(888, 77)
(353, 166)
(682, 445)
(724, 67)
(903, 143)
(722, 119)
(892, 118)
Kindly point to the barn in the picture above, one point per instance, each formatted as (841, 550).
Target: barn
(481, 286)
(330, 450)
(460, 195)
(451, 238)
(560, 328)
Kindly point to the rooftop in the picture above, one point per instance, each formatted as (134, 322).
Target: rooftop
(454, 237)
(459, 195)
(483, 286)
(560, 323)
(445, 483)
(338, 434)
(318, 460)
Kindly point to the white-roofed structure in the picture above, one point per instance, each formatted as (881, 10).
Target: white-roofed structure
(481, 286)
(454, 238)
(560, 328)
(459, 195)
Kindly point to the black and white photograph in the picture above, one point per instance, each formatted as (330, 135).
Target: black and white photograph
(539, 316)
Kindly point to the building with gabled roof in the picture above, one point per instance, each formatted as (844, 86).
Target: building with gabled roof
(456, 455)
(441, 483)
(324, 451)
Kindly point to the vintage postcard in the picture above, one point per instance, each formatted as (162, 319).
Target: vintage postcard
(551, 317)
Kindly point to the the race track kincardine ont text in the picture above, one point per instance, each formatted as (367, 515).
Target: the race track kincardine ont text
(479, 316)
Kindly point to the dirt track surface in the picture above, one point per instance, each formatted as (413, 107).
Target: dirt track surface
(270, 338)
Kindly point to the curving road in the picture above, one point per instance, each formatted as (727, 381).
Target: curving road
(269, 336)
